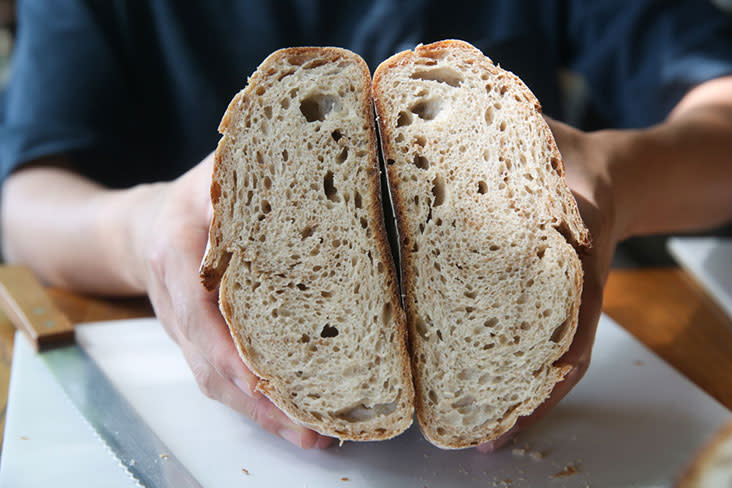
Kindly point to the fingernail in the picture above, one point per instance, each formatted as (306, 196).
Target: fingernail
(291, 435)
(244, 386)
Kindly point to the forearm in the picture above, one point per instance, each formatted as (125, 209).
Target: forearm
(676, 176)
(72, 232)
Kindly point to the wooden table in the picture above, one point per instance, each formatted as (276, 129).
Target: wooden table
(663, 308)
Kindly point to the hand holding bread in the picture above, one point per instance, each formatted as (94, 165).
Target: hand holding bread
(489, 236)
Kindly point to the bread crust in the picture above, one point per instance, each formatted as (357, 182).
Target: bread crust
(579, 239)
(218, 256)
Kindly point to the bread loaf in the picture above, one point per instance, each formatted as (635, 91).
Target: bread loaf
(298, 248)
(488, 238)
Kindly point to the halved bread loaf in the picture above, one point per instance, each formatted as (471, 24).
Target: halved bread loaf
(298, 246)
(488, 230)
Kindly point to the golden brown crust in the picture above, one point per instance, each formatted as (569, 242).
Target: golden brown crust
(556, 374)
(217, 259)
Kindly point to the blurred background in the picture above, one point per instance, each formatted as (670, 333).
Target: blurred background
(639, 251)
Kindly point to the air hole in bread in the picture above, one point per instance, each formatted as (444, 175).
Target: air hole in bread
(491, 323)
(427, 109)
(363, 412)
(463, 402)
(342, 156)
(387, 314)
(504, 89)
(421, 326)
(328, 331)
(502, 126)
(400, 138)
(364, 223)
(336, 135)
(260, 158)
(389, 162)
(540, 252)
(260, 90)
(267, 182)
(357, 199)
(442, 75)
(266, 207)
(421, 162)
(556, 164)
(482, 187)
(439, 335)
(489, 115)
(432, 396)
(404, 118)
(315, 63)
(268, 112)
(439, 191)
(441, 431)
(420, 141)
(304, 339)
(307, 231)
(560, 332)
(488, 87)
(317, 106)
(470, 294)
(297, 59)
(331, 193)
(285, 155)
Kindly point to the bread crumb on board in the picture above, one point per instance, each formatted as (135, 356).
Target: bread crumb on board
(163, 456)
(245, 471)
(535, 454)
(345, 479)
(569, 470)
(24, 438)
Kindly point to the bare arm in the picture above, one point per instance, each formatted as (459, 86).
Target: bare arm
(676, 176)
(71, 231)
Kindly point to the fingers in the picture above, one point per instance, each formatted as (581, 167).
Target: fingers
(261, 410)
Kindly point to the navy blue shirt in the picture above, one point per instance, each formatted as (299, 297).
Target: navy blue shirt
(133, 91)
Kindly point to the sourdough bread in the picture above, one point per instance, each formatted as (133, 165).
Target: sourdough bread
(298, 249)
(488, 237)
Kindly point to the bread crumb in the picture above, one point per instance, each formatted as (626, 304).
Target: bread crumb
(638, 362)
(24, 438)
(132, 462)
(163, 456)
(345, 479)
(245, 471)
(537, 455)
(569, 470)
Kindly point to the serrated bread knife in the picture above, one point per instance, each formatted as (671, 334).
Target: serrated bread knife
(138, 449)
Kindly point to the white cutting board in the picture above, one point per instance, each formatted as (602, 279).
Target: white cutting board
(709, 261)
(633, 421)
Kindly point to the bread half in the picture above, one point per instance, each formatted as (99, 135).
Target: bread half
(488, 237)
(298, 248)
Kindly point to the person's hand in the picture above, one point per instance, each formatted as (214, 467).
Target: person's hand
(586, 173)
(171, 239)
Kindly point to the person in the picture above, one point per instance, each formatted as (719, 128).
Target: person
(111, 106)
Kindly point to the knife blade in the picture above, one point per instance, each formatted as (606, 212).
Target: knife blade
(145, 457)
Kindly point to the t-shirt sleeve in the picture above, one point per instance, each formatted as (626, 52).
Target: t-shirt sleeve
(640, 59)
(64, 84)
